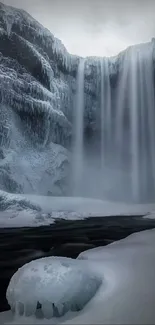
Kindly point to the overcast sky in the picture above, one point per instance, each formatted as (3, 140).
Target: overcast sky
(94, 27)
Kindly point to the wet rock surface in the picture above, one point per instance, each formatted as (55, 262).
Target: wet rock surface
(63, 238)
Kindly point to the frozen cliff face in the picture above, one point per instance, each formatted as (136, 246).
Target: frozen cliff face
(36, 74)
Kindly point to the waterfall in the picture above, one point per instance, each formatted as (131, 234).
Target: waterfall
(128, 144)
(127, 129)
(105, 108)
(134, 100)
(78, 150)
(142, 109)
(120, 107)
(135, 120)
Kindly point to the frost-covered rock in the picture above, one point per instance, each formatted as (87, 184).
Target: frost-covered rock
(35, 99)
(51, 287)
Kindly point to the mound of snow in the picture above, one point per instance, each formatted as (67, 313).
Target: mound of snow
(51, 286)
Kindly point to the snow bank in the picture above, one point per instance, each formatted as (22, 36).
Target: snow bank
(18, 210)
(51, 286)
(150, 215)
(128, 294)
(90, 206)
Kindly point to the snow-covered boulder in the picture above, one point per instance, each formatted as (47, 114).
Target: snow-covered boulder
(51, 287)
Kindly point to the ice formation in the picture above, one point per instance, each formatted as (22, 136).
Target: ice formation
(51, 286)
(34, 130)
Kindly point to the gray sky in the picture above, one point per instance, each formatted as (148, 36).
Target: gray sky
(94, 27)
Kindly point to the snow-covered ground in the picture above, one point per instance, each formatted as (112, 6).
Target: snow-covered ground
(128, 267)
(88, 206)
(150, 215)
(127, 292)
(19, 210)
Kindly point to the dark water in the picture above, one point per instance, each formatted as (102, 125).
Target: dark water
(63, 238)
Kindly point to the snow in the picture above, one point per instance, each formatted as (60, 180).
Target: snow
(23, 210)
(38, 171)
(150, 215)
(12, 17)
(56, 284)
(88, 206)
(127, 292)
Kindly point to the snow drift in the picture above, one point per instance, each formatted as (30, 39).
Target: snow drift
(18, 210)
(128, 293)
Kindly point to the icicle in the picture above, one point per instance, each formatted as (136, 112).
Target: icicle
(9, 22)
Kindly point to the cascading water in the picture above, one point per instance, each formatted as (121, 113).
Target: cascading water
(132, 142)
(135, 120)
(78, 150)
(120, 105)
(127, 112)
(142, 109)
(135, 106)
(102, 113)
(106, 118)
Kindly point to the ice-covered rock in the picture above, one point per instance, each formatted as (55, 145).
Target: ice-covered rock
(35, 98)
(51, 287)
